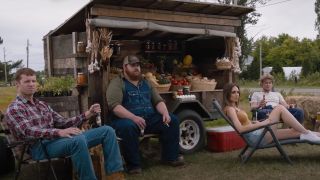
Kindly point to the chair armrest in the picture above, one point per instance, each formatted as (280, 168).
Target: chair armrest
(28, 141)
(262, 127)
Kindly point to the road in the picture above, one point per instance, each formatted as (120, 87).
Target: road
(302, 91)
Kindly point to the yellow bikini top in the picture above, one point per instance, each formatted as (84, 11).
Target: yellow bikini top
(242, 116)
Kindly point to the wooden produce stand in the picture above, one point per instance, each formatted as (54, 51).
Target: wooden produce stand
(160, 33)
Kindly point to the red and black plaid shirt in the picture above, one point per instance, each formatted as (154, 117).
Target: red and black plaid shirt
(34, 120)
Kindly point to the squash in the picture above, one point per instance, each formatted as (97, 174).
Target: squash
(187, 60)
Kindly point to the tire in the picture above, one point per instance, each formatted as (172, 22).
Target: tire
(192, 132)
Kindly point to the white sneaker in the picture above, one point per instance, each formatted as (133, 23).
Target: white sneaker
(310, 137)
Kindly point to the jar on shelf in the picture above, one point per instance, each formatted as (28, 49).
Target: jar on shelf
(175, 45)
(81, 79)
(81, 47)
(147, 46)
(169, 43)
(153, 45)
(164, 47)
(159, 47)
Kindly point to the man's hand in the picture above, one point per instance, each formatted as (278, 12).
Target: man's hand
(262, 103)
(166, 118)
(93, 110)
(69, 132)
(139, 121)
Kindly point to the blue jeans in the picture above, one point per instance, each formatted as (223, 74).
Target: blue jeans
(296, 112)
(77, 148)
(129, 132)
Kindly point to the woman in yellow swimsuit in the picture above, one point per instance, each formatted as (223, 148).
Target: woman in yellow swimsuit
(231, 93)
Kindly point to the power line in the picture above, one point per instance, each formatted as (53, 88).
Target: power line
(273, 4)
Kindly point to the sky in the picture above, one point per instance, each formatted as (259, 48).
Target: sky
(21, 20)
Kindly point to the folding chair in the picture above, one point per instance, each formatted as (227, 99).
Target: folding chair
(20, 150)
(251, 147)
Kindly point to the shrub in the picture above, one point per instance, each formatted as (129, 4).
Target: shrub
(56, 86)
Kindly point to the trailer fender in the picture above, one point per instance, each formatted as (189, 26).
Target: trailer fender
(193, 105)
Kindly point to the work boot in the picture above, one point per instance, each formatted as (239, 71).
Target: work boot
(175, 163)
(115, 176)
(135, 171)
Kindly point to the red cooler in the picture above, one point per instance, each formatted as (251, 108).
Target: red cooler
(222, 139)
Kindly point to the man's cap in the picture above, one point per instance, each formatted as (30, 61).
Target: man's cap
(266, 76)
(131, 59)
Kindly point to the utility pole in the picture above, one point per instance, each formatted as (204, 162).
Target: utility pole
(260, 57)
(5, 66)
(27, 53)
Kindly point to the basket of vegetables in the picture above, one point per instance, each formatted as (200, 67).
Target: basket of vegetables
(203, 84)
(177, 84)
(223, 64)
(161, 83)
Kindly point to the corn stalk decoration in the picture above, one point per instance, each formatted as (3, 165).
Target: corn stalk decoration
(99, 47)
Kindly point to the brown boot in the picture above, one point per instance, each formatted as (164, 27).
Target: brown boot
(115, 176)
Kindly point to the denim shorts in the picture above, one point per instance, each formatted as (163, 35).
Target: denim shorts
(254, 136)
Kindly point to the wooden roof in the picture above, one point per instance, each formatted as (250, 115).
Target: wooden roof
(76, 23)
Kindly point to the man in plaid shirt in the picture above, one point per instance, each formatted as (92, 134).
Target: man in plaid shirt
(28, 117)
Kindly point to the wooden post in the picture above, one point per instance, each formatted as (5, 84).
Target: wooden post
(49, 56)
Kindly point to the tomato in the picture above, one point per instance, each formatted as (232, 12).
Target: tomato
(174, 82)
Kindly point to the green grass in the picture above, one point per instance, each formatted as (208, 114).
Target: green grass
(7, 94)
(265, 164)
(206, 165)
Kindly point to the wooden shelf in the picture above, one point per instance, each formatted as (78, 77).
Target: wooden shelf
(162, 52)
(80, 55)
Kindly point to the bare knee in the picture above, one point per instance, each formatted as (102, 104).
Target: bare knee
(280, 108)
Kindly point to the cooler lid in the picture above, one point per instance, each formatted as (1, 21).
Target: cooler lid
(220, 129)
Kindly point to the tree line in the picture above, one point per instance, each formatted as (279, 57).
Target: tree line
(284, 51)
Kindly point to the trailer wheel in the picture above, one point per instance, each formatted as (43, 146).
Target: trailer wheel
(192, 134)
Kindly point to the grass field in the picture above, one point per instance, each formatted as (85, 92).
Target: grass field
(205, 165)
(7, 94)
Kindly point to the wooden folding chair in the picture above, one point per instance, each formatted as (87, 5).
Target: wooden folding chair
(251, 147)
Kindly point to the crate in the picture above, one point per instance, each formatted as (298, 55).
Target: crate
(222, 139)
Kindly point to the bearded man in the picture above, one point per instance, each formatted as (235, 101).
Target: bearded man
(138, 108)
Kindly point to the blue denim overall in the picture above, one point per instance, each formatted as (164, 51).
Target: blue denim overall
(137, 100)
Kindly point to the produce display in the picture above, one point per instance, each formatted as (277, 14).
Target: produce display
(223, 63)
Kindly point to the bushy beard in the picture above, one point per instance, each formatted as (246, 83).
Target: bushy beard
(133, 76)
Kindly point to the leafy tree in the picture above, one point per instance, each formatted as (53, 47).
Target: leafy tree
(10, 67)
(285, 50)
(248, 19)
(317, 10)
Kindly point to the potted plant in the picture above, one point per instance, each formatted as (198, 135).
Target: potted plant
(56, 86)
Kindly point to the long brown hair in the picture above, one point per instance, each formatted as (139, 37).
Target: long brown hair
(227, 89)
